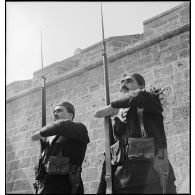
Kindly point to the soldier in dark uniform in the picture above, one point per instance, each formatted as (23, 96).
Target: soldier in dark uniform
(139, 173)
(66, 139)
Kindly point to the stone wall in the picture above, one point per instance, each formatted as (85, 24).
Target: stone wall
(166, 21)
(162, 59)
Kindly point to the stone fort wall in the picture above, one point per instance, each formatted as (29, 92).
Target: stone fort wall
(161, 54)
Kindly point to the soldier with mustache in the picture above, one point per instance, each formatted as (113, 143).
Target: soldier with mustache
(139, 156)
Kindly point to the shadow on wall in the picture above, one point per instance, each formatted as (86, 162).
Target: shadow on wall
(19, 173)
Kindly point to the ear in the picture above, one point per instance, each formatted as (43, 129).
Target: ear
(142, 87)
(71, 116)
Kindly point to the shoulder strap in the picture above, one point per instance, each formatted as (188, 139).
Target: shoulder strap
(141, 122)
(55, 139)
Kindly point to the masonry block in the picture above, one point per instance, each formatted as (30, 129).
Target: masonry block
(173, 145)
(167, 113)
(160, 55)
(185, 144)
(25, 162)
(94, 187)
(91, 148)
(10, 156)
(86, 187)
(21, 185)
(180, 159)
(185, 185)
(170, 59)
(145, 60)
(176, 78)
(181, 112)
(14, 165)
(96, 160)
(158, 73)
(181, 126)
(95, 123)
(9, 187)
(97, 134)
(181, 65)
(186, 74)
(100, 146)
(185, 53)
(30, 173)
(91, 174)
(8, 176)
(18, 175)
(180, 90)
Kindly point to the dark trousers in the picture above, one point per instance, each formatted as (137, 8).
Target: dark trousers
(153, 188)
(58, 185)
(150, 188)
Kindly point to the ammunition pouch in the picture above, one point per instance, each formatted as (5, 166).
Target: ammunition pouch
(58, 165)
(140, 149)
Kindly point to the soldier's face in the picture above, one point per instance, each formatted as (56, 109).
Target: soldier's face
(60, 112)
(128, 84)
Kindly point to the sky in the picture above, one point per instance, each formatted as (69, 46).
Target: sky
(66, 26)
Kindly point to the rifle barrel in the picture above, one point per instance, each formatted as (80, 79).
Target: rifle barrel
(108, 176)
(43, 99)
(43, 95)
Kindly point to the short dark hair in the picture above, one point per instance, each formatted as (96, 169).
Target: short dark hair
(69, 107)
(138, 77)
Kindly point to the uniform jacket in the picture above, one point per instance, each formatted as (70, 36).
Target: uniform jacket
(133, 173)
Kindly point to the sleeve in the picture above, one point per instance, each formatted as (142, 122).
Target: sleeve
(142, 99)
(66, 128)
(124, 101)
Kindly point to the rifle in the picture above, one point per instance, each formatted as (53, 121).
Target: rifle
(107, 120)
(39, 168)
(43, 98)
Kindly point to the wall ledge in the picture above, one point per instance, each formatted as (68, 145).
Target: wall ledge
(112, 57)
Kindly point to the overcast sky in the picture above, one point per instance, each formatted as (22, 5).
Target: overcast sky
(65, 27)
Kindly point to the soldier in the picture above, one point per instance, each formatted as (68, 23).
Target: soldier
(139, 156)
(64, 153)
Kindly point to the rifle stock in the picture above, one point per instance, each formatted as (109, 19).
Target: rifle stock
(108, 176)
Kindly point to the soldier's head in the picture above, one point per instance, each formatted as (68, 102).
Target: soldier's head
(130, 82)
(64, 110)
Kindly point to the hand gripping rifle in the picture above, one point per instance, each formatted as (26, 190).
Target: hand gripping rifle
(39, 167)
(107, 120)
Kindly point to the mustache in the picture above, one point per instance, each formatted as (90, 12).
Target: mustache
(56, 117)
(124, 88)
